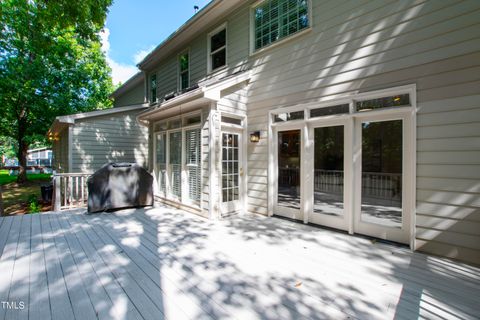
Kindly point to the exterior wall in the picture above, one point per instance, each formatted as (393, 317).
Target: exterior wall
(60, 152)
(117, 137)
(360, 46)
(131, 97)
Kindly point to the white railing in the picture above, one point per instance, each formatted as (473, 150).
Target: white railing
(374, 185)
(70, 190)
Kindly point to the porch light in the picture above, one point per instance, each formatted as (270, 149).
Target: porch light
(255, 136)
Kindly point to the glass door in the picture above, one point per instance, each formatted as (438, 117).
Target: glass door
(288, 193)
(161, 163)
(192, 159)
(380, 203)
(232, 172)
(175, 164)
(329, 177)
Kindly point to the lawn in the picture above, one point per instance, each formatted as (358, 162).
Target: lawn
(6, 178)
(15, 196)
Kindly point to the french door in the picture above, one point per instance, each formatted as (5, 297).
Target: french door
(383, 170)
(161, 163)
(232, 172)
(331, 163)
(288, 173)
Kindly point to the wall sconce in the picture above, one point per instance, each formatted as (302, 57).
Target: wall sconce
(255, 136)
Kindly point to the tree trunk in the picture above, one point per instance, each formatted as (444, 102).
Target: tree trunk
(22, 151)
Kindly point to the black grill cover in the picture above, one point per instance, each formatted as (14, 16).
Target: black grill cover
(119, 185)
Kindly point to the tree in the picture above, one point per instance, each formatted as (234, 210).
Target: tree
(51, 64)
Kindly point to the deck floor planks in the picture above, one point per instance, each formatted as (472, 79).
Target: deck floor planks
(19, 290)
(122, 306)
(98, 296)
(116, 263)
(163, 262)
(81, 304)
(61, 305)
(180, 304)
(7, 261)
(39, 297)
(209, 287)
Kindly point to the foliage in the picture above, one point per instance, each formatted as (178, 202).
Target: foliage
(51, 64)
(7, 147)
(33, 206)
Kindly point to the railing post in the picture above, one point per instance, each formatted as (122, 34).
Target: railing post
(58, 194)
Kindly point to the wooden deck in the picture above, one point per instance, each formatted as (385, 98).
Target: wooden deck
(165, 263)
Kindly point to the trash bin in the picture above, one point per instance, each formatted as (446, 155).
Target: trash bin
(47, 192)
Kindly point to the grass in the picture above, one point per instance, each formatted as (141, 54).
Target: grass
(15, 196)
(5, 178)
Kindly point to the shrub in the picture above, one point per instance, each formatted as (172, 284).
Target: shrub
(33, 206)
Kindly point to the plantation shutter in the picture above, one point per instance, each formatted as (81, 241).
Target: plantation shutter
(193, 163)
(176, 163)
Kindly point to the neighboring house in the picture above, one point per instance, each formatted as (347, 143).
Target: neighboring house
(361, 116)
(83, 142)
(39, 157)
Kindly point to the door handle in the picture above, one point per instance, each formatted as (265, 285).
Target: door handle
(241, 172)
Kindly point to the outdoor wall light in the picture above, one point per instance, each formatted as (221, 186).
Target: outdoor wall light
(255, 136)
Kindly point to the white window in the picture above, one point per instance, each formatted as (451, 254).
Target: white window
(274, 20)
(178, 158)
(184, 74)
(217, 49)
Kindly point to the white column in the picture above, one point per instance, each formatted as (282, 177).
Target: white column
(213, 155)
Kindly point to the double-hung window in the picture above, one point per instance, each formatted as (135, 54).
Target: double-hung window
(153, 88)
(275, 20)
(184, 65)
(217, 44)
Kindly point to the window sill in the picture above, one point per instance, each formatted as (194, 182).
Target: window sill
(280, 42)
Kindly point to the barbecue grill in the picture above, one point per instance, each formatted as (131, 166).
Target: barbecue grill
(118, 186)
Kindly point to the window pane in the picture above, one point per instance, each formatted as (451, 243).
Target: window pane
(382, 153)
(219, 59)
(184, 62)
(276, 19)
(192, 139)
(288, 116)
(218, 40)
(386, 102)
(289, 169)
(328, 170)
(176, 163)
(327, 111)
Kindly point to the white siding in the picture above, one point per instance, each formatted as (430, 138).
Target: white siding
(117, 138)
(60, 152)
(359, 46)
(133, 96)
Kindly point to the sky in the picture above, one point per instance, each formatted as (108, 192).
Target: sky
(136, 27)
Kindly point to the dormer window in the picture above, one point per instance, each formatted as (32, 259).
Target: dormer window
(275, 20)
(153, 88)
(217, 49)
(184, 76)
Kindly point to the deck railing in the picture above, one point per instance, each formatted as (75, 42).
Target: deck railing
(70, 190)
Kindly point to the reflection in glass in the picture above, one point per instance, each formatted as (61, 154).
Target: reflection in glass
(289, 169)
(230, 160)
(176, 163)
(328, 171)
(161, 156)
(382, 172)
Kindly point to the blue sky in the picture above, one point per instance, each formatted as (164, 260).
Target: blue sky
(135, 27)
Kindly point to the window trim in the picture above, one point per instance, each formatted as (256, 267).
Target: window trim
(209, 53)
(291, 37)
(179, 73)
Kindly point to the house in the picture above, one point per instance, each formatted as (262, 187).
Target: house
(358, 116)
(39, 157)
(83, 142)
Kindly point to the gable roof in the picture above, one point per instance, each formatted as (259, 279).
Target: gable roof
(129, 84)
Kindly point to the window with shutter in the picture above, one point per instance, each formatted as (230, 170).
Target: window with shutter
(161, 158)
(175, 161)
(192, 138)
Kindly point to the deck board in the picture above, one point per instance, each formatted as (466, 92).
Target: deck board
(165, 263)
